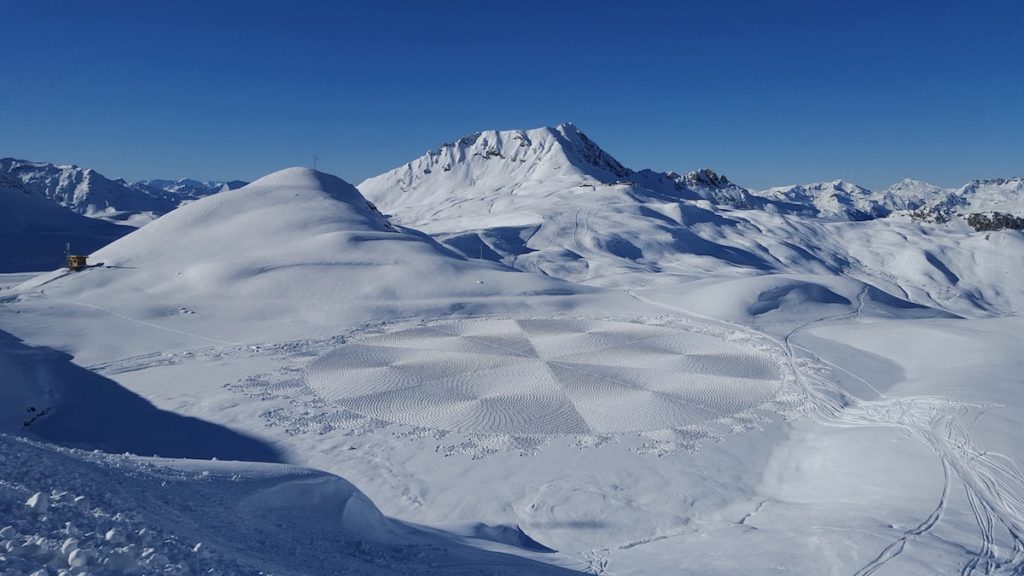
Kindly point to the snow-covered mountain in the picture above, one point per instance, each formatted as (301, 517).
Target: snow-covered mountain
(978, 198)
(702, 184)
(550, 200)
(836, 200)
(846, 201)
(910, 194)
(187, 188)
(512, 160)
(996, 195)
(89, 193)
(34, 231)
(86, 191)
(525, 162)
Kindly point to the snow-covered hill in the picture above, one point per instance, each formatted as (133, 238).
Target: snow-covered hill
(294, 245)
(34, 231)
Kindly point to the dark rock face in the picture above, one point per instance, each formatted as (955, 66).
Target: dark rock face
(995, 221)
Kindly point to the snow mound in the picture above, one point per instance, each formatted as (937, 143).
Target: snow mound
(545, 377)
(296, 245)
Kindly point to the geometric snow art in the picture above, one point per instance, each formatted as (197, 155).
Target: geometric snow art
(546, 377)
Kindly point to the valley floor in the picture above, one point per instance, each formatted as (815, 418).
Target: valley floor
(618, 432)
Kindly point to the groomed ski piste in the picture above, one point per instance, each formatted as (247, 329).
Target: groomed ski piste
(280, 379)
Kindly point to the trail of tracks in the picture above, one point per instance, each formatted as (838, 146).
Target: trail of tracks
(993, 483)
(137, 321)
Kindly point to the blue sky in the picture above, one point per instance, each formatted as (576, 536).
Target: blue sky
(768, 93)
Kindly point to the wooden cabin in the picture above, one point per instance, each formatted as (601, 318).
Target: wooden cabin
(77, 262)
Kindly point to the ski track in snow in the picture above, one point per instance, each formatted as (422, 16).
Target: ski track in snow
(992, 482)
(136, 320)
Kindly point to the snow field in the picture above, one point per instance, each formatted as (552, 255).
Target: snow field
(69, 512)
(547, 377)
(53, 524)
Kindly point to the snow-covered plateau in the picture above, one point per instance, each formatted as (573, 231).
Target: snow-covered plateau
(512, 355)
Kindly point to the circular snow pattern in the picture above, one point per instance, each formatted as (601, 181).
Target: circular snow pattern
(546, 377)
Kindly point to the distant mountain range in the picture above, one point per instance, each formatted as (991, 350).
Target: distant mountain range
(89, 193)
(551, 201)
(546, 154)
(500, 159)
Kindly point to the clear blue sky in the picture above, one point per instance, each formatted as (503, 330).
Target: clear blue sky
(765, 92)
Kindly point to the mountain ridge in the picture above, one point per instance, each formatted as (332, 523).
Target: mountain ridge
(87, 192)
(566, 146)
(541, 203)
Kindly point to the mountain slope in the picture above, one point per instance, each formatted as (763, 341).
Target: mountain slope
(89, 193)
(541, 201)
(995, 195)
(124, 514)
(910, 194)
(836, 200)
(550, 200)
(34, 231)
(511, 161)
(85, 191)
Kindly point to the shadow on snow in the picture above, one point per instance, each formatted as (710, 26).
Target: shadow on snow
(87, 410)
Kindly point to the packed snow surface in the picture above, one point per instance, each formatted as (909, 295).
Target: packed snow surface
(546, 377)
